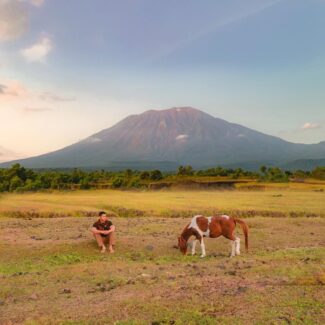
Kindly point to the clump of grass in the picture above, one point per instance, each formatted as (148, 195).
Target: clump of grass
(63, 259)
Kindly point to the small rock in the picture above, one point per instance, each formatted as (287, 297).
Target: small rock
(145, 275)
(231, 273)
(91, 291)
(34, 296)
(149, 248)
(2, 302)
(242, 289)
(66, 291)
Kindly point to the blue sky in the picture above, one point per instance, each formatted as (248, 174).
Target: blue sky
(71, 68)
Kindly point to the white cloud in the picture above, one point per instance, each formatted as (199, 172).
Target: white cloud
(13, 19)
(39, 51)
(37, 3)
(311, 126)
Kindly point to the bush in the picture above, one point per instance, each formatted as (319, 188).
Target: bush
(185, 171)
(118, 182)
(15, 183)
(318, 173)
(156, 175)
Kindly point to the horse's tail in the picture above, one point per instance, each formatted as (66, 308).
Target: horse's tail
(245, 231)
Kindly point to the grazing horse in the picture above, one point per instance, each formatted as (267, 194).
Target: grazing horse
(212, 227)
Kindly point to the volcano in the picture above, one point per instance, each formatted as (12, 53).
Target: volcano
(168, 138)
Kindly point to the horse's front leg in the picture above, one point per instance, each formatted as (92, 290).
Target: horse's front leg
(193, 246)
(203, 253)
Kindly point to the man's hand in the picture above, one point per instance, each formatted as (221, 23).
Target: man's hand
(106, 232)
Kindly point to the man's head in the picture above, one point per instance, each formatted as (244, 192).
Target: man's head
(102, 216)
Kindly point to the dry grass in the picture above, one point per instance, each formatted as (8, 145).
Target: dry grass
(51, 271)
(302, 201)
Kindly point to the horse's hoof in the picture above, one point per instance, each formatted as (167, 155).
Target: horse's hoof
(202, 256)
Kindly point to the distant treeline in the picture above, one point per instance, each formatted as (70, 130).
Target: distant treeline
(21, 179)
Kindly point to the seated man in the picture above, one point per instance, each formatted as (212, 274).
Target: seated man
(104, 231)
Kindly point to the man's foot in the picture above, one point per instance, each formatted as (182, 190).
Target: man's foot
(111, 250)
(103, 250)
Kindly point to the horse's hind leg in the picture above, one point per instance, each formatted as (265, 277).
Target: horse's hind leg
(237, 246)
(232, 239)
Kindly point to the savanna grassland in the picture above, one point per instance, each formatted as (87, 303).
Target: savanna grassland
(51, 271)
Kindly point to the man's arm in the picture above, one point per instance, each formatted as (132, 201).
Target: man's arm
(94, 230)
(106, 232)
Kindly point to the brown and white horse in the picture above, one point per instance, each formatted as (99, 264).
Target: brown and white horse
(213, 227)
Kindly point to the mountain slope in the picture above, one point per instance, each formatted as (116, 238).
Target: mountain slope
(182, 135)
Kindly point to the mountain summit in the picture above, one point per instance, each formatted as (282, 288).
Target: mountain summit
(180, 135)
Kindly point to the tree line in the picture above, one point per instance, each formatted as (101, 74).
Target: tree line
(20, 179)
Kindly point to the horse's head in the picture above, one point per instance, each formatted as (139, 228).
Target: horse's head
(182, 245)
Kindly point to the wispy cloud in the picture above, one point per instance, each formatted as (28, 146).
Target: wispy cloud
(47, 96)
(13, 93)
(13, 19)
(6, 155)
(311, 126)
(2, 89)
(218, 25)
(12, 89)
(39, 51)
(35, 110)
(37, 3)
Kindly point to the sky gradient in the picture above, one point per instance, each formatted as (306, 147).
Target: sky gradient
(71, 68)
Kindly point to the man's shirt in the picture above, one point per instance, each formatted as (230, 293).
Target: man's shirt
(103, 226)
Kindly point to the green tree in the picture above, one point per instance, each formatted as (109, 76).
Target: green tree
(15, 183)
(185, 171)
(263, 169)
(144, 175)
(156, 175)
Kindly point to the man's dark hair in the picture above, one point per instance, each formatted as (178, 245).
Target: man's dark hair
(101, 213)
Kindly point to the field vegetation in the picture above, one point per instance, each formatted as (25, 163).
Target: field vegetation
(51, 271)
(19, 179)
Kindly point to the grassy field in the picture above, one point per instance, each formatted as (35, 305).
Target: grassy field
(51, 271)
(287, 199)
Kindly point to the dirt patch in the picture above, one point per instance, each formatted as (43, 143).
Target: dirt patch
(51, 271)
